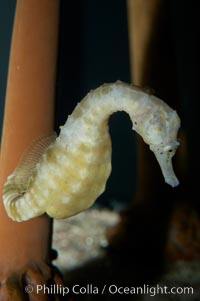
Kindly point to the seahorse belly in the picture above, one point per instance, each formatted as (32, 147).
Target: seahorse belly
(75, 179)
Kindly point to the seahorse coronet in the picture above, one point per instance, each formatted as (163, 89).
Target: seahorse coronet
(74, 169)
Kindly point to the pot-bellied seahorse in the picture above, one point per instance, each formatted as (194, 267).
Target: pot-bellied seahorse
(73, 170)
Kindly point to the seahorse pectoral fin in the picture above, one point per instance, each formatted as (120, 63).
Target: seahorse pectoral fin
(25, 169)
(164, 159)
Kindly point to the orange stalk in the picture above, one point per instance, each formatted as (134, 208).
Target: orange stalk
(29, 114)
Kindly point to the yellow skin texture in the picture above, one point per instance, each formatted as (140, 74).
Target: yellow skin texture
(74, 169)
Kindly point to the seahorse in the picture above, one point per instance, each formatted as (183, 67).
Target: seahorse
(73, 170)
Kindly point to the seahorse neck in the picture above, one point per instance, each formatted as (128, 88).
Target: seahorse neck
(90, 117)
(100, 104)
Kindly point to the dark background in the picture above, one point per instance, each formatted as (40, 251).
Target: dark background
(93, 49)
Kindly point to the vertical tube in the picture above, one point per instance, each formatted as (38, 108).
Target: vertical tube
(29, 114)
(143, 20)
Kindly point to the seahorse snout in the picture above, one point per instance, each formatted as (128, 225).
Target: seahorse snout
(164, 157)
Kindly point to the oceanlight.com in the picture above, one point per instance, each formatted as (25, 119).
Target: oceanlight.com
(111, 289)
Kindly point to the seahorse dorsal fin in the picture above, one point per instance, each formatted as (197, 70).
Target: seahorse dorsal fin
(26, 166)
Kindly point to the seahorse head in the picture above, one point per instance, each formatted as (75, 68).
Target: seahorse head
(160, 132)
